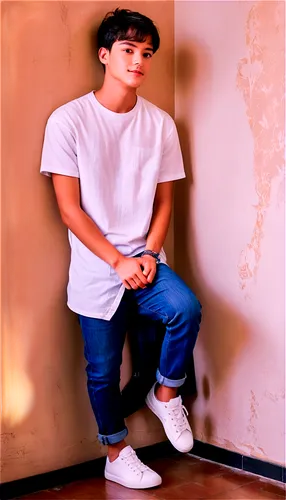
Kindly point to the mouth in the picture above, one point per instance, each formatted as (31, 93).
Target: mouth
(136, 72)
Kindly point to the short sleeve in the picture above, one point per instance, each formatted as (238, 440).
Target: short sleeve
(59, 154)
(172, 167)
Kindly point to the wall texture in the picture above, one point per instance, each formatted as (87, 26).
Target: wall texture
(47, 60)
(229, 217)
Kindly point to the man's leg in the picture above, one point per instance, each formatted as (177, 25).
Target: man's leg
(170, 300)
(103, 345)
(145, 338)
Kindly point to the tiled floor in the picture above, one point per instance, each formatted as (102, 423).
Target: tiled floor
(184, 478)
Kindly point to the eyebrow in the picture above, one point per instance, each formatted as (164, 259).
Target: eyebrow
(133, 45)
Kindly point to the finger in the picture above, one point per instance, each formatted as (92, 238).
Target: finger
(126, 284)
(140, 272)
(141, 276)
(146, 270)
(139, 282)
(151, 275)
(132, 283)
(142, 264)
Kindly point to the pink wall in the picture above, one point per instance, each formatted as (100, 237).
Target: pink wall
(230, 220)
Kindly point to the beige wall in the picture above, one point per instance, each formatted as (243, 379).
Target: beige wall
(47, 59)
(229, 218)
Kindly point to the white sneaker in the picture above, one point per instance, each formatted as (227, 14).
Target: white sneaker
(173, 416)
(129, 471)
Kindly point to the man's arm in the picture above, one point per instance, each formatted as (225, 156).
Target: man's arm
(68, 198)
(160, 221)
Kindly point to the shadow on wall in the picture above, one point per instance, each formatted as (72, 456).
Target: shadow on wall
(224, 333)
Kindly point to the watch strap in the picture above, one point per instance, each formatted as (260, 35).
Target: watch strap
(152, 254)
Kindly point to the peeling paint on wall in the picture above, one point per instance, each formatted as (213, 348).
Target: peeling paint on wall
(241, 346)
(253, 414)
(255, 451)
(253, 448)
(260, 78)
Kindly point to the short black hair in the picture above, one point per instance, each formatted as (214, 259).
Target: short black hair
(124, 24)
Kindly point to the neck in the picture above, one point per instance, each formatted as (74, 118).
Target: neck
(116, 97)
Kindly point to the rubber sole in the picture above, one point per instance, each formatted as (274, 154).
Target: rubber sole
(117, 480)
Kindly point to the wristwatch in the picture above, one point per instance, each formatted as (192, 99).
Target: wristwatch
(153, 254)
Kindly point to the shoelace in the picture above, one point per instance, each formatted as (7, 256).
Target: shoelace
(135, 463)
(179, 415)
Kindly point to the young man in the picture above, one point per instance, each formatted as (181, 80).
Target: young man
(113, 157)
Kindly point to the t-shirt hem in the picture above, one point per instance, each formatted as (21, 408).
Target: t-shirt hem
(107, 315)
(172, 178)
(49, 173)
(116, 303)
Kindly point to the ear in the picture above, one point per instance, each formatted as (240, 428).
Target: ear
(103, 55)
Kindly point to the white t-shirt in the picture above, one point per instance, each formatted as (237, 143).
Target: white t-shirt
(119, 158)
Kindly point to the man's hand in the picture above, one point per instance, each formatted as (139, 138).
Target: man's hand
(130, 272)
(149, 267)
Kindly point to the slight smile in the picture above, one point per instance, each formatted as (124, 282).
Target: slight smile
(136, 72)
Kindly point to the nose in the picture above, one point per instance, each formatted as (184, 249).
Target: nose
(138, 59)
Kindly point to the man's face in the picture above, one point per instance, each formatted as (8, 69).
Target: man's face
(128, 62)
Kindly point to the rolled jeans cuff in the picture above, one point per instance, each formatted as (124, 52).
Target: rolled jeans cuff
(113, 438)
(168, 382)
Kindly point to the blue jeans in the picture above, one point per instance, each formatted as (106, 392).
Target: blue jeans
(168, 300)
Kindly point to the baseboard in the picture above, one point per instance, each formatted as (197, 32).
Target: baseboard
(95, 468)
(238, 461)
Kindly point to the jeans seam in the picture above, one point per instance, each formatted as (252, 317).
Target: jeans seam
(168, 335)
